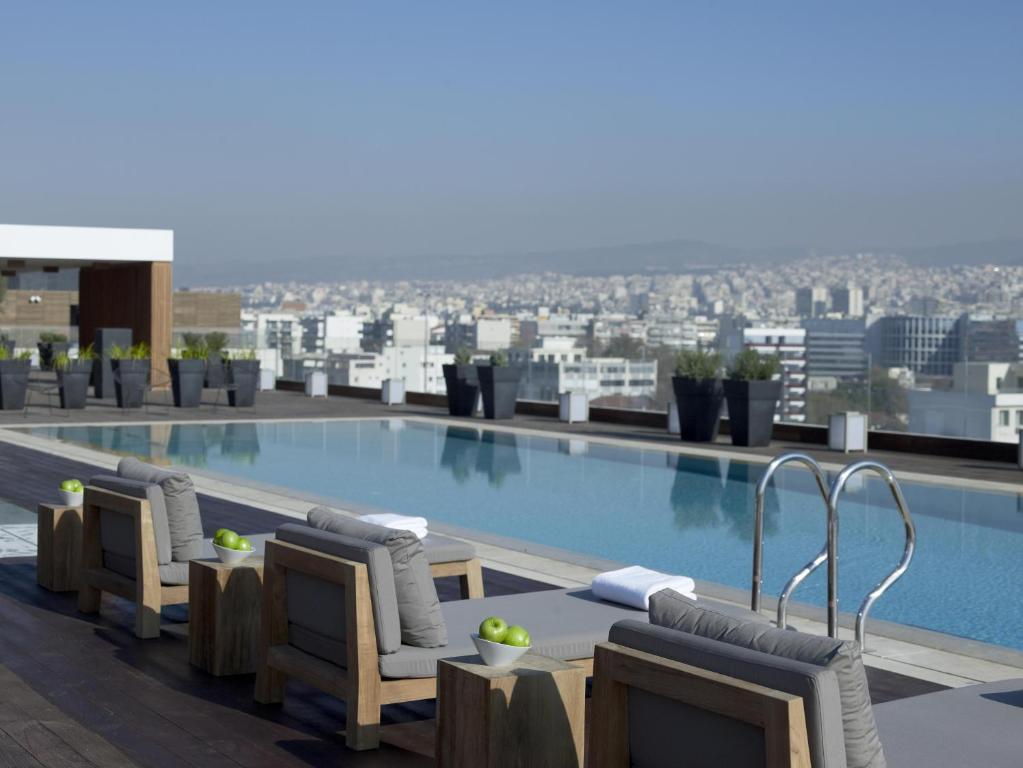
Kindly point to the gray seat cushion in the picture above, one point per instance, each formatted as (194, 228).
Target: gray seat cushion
(183, 518)
(563, 623)
(862, 745)
(174, 574)
(117, 531)
(422, 623)
(441, 549)
(658, 725)
(316, 609)
(979, 725)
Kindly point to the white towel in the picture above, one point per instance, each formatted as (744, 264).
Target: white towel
(399, 522)
(633, 586)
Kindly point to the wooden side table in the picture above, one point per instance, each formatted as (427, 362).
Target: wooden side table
(223, 615)
(529, 714)
(59, 541)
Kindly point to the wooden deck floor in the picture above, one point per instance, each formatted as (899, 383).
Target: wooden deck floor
(143, 701)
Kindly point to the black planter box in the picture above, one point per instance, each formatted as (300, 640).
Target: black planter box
(242, 379)
(131, 381)
(74, 383)
(103, 371)
(699, 407)
(500, 389)
(186, 381)
(13, 384)
(751, 408)
(216, 375)
(462, 384)
(48, 351)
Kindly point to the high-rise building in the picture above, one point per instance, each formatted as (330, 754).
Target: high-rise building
(987, 340)
(847, 300)
(811, 302)
(924, 344)
(836, 348)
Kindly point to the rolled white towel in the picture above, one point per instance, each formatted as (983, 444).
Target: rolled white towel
(417, 525)
(633, 585)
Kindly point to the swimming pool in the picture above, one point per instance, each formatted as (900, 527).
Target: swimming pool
(663, 510)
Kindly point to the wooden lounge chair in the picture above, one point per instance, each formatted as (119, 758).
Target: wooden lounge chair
(329, 618)
(660, 694)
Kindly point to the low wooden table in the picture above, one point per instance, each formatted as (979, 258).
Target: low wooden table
(529, 714)
(59, 541)
(223, 615)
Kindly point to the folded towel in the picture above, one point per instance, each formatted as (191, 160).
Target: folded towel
(633, 586)
(399, 522)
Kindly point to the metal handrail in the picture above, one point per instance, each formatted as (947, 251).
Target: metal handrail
(832, 556)
(758, 533)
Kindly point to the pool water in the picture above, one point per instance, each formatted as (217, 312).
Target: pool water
(674, 513)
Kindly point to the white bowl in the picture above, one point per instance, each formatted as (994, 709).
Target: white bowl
(498, 654)
(72, 498)
(230, 556)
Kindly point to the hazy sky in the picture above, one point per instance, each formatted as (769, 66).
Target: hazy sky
(263, 130)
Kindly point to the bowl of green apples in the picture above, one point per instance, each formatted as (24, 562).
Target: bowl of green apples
(499, 644)
(72, 493)
(230, 547)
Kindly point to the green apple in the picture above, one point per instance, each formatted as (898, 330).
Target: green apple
(516, 636)
(220, 534)
(228, 539)
(494, 629)
(244, 545)
(72, 486)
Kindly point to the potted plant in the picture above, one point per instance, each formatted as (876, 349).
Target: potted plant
(187, 372)
(13, 379)
(499, 385)
(73, 376)
(752, 394)
(242, 378)
(216, 346)
(698, 393)
(462, 384)
(50, 344)
(7, 343)
(131, 374)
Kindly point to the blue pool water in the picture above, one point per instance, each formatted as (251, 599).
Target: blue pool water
(674, 513)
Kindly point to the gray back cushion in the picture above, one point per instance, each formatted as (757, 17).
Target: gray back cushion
(183, 519)
(862, 744)
(117, 531)
(317, 607)
(422, 623)
(659, 727)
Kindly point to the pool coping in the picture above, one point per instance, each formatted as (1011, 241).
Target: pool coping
(556, 565)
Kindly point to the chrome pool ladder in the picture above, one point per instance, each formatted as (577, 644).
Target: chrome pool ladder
(829, 552)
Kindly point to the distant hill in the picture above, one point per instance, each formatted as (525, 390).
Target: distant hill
(666, 256)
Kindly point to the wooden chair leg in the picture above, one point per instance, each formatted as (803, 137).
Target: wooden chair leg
(362, 728)
(147, 611)
(471, 582)
(89, 598)
(269, 685)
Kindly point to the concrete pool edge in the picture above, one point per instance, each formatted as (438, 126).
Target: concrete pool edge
(888, 642)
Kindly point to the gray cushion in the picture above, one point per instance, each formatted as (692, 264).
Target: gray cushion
(183, 518)
(563, 623)
(422, 623)
(979, 725)
(658, 725)
(172, 573)
(319, 609)
(441, 549)
(862, 745)
(115, 524)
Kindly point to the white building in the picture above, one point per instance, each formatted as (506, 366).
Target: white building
(984, 403)
(281, 331)
(558, 366)
(332, 332)
(370, 369)
(493, 333)
(789, 344)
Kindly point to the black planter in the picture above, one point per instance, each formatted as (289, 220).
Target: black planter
(500, 389)
(242, 379)
(186, 381)
(462, 385)
(74, 383)
(131, 381)
(13, 384)
(49, 350)
(751, 408)
(104, 341)
(215, 373)
(699, 407)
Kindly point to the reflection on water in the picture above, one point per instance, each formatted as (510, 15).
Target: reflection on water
(498, 457)
(715, 493)
(459, 453)
(241, 443)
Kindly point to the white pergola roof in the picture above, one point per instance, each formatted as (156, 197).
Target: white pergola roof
(30, 248)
